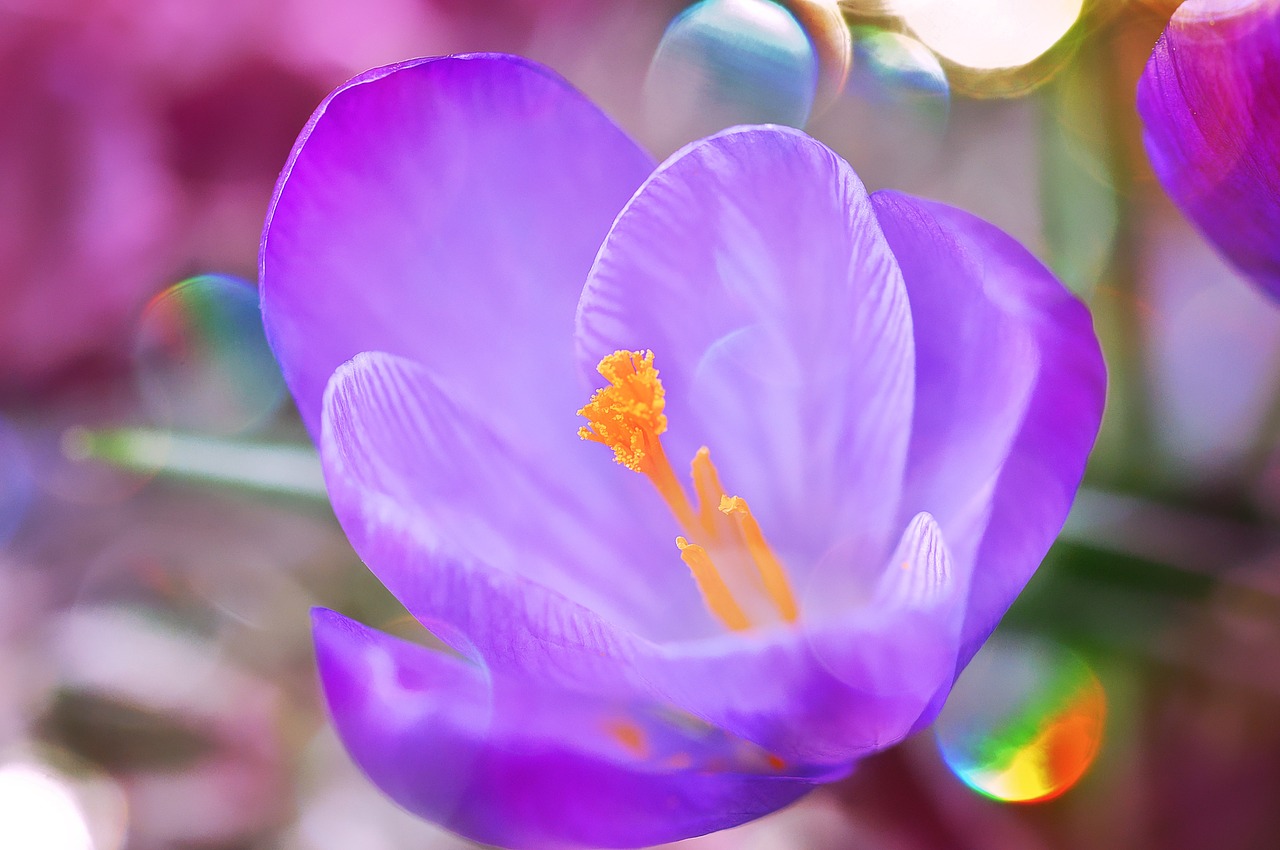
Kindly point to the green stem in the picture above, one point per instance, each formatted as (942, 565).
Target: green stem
(280, 469)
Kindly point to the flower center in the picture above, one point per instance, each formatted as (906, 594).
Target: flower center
(740, 578)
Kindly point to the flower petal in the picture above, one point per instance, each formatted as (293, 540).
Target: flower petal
(503, 760)
(432, 207)
(412, 474)
(832, 692)
(751, 263)
(1010, 387)
(1210, 103)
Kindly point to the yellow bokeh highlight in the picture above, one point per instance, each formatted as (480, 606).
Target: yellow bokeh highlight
(989, 34)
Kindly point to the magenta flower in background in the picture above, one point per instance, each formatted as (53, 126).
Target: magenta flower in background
(141, 137)
(1210, 102)
(141, 140)
(886, 404)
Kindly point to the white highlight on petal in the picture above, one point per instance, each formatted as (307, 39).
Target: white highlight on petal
(919, 574)
(37, 812)
(986, 34)
(1200, 10)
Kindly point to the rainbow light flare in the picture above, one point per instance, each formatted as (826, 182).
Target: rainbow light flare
(1024, 722)
(202, 360)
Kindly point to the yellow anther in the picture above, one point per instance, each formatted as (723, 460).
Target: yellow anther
(627, 415)
(772, 573)
(714, 591)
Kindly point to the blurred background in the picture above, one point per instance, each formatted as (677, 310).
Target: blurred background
(163, 529)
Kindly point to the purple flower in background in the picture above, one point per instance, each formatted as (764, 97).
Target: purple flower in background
(1210, 102)
(886, 405)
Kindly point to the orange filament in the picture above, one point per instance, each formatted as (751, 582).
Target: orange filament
(706, 486)
(772, 573)
(711, 583)
(627, 416)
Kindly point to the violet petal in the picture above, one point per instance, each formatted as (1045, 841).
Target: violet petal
(751, 263)
(1210, 104)
(1011, 385)
(505, 760)
(423, 485)
(433, 209)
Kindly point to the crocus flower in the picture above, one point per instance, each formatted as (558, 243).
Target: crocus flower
(1210, 102)
(886, 404)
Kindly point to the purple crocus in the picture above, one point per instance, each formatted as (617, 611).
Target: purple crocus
(885, 405)
(1210, 102)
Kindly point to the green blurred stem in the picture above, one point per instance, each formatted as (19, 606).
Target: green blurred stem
(280, 469)
(1139, 459)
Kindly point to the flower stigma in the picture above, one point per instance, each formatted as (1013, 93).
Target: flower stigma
(742, 581)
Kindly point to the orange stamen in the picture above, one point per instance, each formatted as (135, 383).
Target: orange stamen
(627, 416)
(714, 591)
(772, 573)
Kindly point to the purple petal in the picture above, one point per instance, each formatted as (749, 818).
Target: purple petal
(1010, 387)
(1210, 102)
(751, 263)
(503, 760)
(413, 474)
(446, 210)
